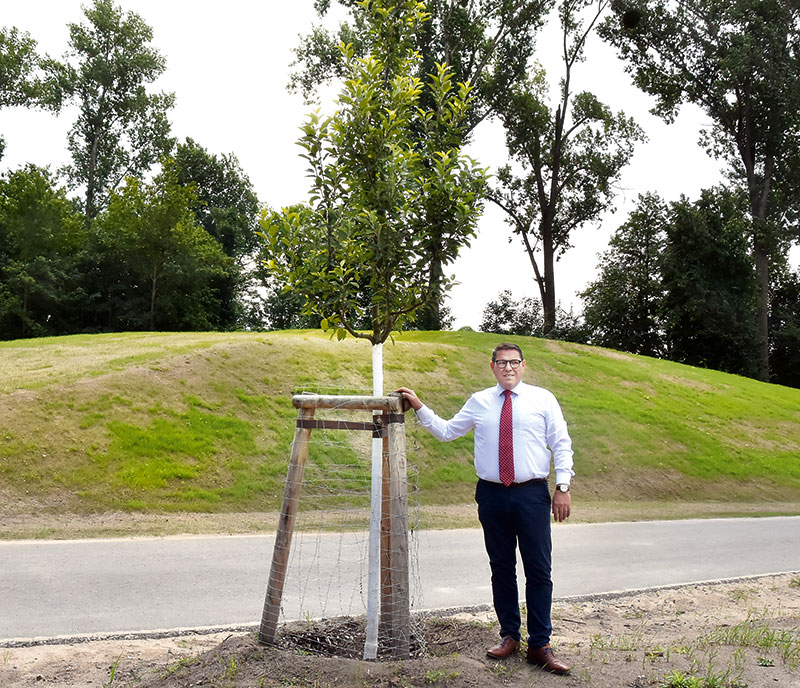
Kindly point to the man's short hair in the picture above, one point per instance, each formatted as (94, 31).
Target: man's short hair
(507, 346)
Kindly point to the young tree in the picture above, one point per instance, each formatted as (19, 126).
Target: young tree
(365, 233)
(228, 210)
(569, 157)
(622, 307)
(360, 250)
(739, 62)
(485, 43)
(166, 262)
(122, 130)
(41, 240)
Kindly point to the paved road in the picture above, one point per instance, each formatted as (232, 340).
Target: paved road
(57, 588)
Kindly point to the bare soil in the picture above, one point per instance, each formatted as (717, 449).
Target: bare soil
(731, 634)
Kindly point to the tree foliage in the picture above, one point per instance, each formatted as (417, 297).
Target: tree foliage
(486, 43)
(677, 282)
(227, 204)
(121, 130)
(709, 285)
(41, 240)
(567, 158)
(507, 315)
(27, 78)
(228, 209)
(359, 251)
(161, 262)
(622, 307)
(738, 60)
(177, 253)
(785, 328)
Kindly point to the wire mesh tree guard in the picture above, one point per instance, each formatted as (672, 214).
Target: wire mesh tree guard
(388, 424)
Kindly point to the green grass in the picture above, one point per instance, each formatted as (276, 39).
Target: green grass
(760, 634)
(203, 422)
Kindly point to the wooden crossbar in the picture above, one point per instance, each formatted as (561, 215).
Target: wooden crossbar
(376, 427)
(393, 403)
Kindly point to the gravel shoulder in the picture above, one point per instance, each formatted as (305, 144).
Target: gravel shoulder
(737, 633)
(49, 521)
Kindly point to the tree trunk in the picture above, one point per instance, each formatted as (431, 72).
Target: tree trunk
(153, 285)
(430, 317)
(376, 494)
(758, 208)
(762, 306)
(549, 290)
(91, 183)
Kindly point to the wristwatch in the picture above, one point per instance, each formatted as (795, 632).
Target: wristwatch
(562, 487)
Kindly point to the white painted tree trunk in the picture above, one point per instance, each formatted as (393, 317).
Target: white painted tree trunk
(374, 576)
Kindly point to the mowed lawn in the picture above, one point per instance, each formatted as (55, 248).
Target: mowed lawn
(203, 422)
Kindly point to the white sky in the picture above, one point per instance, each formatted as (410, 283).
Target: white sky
(228, 64)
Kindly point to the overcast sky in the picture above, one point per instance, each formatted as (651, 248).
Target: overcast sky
(228, 64)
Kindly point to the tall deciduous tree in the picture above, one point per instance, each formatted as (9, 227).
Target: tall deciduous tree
(41, 239)
(366, 232)
(738, 60)
(568, 157)
(27, 78)
(122, 129)
(785, 329)
(622, 307)
(508, 315)
(485, 43)
(709, 285)
(166, 263)
(228, 210)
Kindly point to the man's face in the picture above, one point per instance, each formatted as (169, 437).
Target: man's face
(508, 377)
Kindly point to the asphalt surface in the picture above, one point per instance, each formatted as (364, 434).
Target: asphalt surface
(62, 588)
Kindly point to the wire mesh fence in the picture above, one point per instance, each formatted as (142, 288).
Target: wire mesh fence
(324, 596)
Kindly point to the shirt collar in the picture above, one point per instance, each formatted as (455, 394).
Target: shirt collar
(514, 390)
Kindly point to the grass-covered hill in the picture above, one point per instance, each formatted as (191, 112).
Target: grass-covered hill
(203, 422)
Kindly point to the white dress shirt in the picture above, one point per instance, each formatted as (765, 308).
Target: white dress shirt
(539, 429)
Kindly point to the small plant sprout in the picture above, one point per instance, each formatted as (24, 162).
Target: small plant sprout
(113, 672)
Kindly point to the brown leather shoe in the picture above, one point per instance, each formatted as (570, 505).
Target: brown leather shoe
(545, 658)
(507, 646)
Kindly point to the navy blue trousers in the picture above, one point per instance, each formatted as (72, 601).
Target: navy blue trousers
(514, 517)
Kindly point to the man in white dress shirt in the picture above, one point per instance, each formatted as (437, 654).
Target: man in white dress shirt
(519, 429)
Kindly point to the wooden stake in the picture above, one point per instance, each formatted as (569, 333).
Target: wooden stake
(283, 538)
(398, 538)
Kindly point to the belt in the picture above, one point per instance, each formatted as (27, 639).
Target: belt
(526, 482)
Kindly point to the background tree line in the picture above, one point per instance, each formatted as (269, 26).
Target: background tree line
(140, 231)
(677, 282)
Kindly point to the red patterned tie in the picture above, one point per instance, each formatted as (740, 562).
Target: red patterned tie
(506, 450)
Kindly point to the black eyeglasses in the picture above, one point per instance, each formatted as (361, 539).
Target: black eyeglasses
(514, 363)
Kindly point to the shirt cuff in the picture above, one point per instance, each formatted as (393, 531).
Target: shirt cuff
(563, 477)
